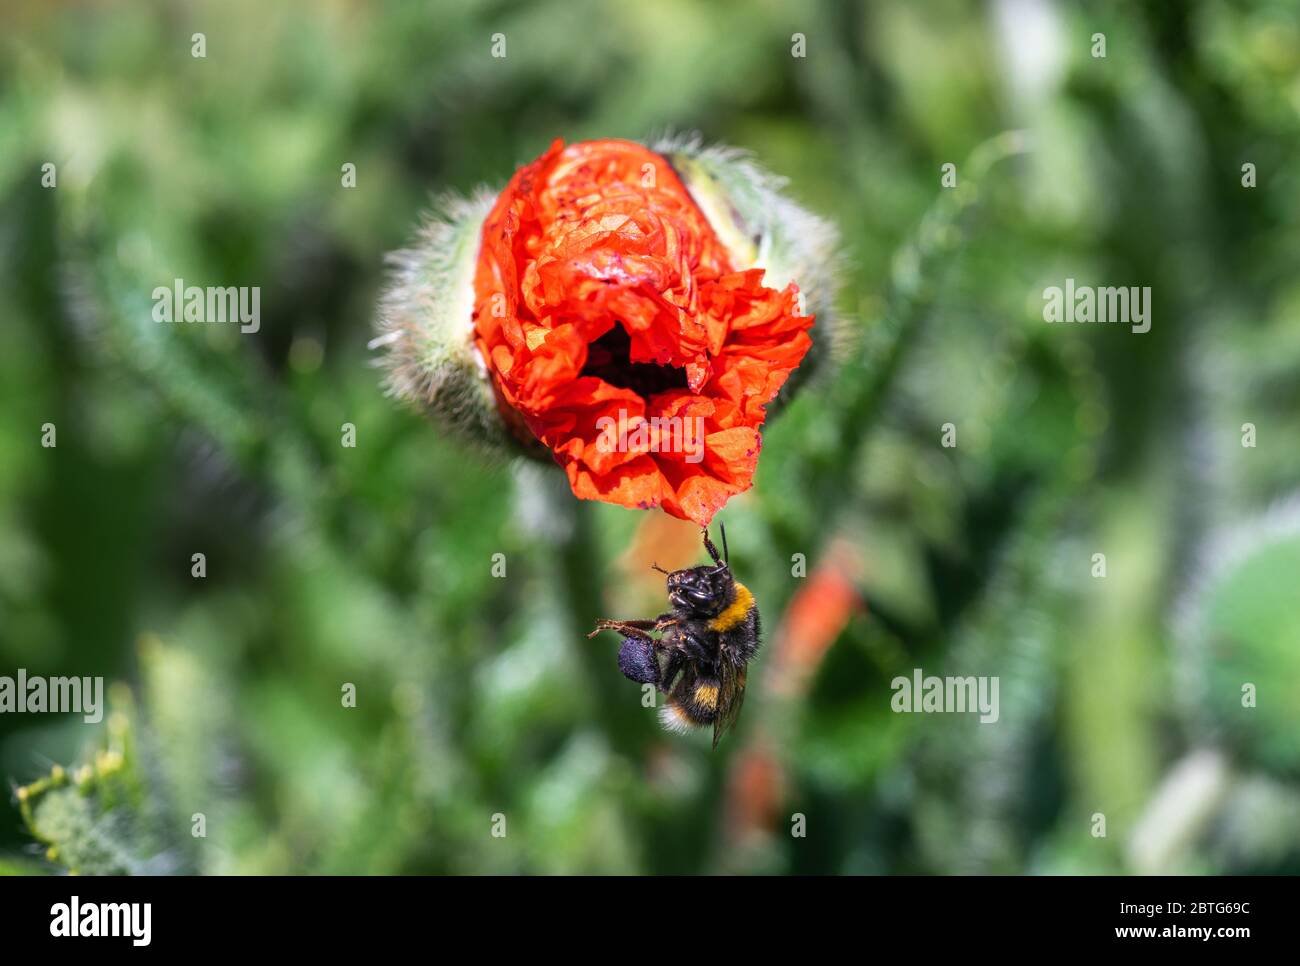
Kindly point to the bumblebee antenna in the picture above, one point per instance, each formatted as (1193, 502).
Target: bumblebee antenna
(726, 557)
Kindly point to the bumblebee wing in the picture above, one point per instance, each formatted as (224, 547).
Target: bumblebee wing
(731, 695)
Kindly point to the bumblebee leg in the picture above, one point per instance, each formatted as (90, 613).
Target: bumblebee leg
(713, 551)
(674, 664)
(695, 648)
(636, 659)
(636, 628)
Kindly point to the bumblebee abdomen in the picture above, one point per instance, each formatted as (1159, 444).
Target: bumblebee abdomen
(693, 703)
(680, 717)
(674, 718)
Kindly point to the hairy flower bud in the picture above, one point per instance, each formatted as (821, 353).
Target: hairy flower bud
(633, 313)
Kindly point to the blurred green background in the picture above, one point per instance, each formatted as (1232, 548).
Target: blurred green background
(481, 706)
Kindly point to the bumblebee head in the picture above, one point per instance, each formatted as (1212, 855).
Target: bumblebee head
(703, 591)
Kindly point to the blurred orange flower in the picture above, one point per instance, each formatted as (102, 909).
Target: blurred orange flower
(816, 616)
(603, 299)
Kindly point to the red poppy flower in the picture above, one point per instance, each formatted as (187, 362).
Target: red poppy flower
(617, 329)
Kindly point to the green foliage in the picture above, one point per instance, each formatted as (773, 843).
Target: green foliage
(371, 566)
(1241, 637)
(107, 816)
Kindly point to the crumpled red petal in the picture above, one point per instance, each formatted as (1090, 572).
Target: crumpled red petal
(603, 234)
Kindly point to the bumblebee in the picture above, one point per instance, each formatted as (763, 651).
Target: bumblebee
(704, 645)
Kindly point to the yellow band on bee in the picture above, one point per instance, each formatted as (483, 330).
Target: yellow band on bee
(707, 695)
(736, 612)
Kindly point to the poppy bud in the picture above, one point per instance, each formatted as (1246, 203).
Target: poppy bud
(630, 313)
(426, 325)
(762, 228)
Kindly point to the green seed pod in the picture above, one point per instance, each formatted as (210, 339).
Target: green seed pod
(1238, 632)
